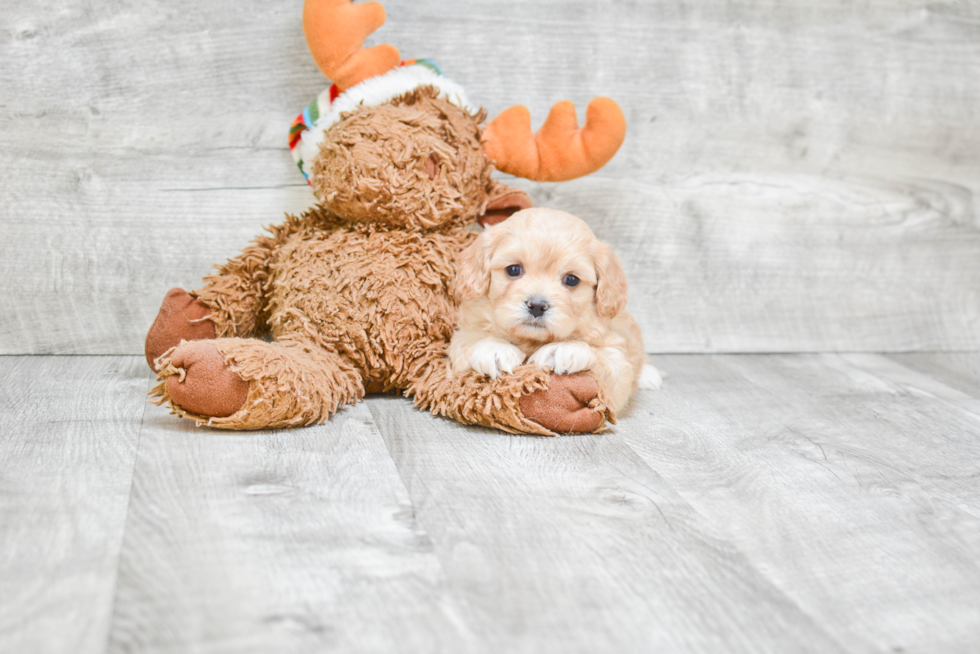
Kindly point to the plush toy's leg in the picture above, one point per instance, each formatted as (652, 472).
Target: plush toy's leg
(182, 317)
(531, 400)
(236, 383)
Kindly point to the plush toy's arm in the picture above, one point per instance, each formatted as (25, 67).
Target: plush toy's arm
(231, 304)
(236, 294)
(531, 400)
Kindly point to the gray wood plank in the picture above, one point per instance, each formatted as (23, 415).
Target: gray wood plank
(849, 480)
(575, 545)
(159, 150)
(961, 370)
(290, 541)
(756, 503)
(773, 262)
(938, 443)
(70, 429)
(798, 178)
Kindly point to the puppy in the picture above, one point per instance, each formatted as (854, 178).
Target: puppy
(540, 287)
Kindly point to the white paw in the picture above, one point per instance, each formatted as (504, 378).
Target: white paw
(650, 378)
(564, 358)
(494, 357)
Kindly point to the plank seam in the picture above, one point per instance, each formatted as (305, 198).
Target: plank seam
(129, 501)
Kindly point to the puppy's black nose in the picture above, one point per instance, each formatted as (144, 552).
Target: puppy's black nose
(537, 307)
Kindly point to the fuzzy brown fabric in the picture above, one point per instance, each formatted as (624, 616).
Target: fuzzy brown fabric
(356, 292)
(350, 305)
(474, 399)
(374, 164)
(290, 384)
(236, 294)
(181, 317)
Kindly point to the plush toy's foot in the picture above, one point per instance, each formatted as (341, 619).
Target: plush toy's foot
(203, 383)
(245, 383)
(569, 404)
(181, 317)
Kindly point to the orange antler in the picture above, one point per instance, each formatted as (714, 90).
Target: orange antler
(335, 31)
(560, 150)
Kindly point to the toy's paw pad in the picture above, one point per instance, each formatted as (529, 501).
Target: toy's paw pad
(566, 405)
(568, 357)
(181, 317)
(204, 384)
(493, 357)
(650, 378)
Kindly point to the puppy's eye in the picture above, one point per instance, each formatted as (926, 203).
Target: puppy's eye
(570, 281)
(517, 270)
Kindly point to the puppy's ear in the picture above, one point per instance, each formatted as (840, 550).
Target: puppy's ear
(610, 291)
(473, 270)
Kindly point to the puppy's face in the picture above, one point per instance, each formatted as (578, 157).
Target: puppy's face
(544, 274)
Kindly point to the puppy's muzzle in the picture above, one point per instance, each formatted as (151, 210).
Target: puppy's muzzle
(536, 306)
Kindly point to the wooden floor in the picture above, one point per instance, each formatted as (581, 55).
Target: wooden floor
(758, 503)
(796, 177)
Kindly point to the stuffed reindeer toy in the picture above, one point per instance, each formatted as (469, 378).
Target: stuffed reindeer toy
(355, 296)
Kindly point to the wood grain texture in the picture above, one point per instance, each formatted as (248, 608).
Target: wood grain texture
(776, 263)
(70, 428)
(961, 370)
(575, 545)
(800, 177)
(289, 541)
(775, 503)
(849, 481)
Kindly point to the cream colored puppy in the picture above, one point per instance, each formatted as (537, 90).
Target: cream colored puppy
(539, 287)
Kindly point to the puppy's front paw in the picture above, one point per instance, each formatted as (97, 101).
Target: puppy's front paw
(563, 358)
(493, 357)
(650, 378)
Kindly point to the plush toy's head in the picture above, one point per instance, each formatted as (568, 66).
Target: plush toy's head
(413, 161)
(397, 142)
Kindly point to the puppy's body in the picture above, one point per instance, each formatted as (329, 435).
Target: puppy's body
(540, 287)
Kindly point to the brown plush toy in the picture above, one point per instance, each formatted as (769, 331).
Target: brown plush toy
(356, 293)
